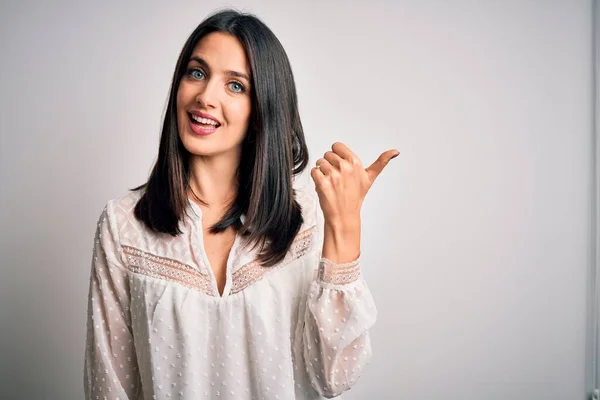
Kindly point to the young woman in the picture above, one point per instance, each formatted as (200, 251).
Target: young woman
(216, 278)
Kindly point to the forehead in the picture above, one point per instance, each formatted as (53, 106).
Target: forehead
(222, 52)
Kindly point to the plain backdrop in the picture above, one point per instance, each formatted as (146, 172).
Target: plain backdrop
(477, 240)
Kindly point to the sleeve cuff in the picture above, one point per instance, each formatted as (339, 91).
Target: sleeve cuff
(338, 274)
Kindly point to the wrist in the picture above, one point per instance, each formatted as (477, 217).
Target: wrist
(343, 226)
(341, 241)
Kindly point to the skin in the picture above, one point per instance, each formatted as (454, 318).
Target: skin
(341, 181)
(208, 88)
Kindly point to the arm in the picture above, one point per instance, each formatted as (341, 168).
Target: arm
(339, 313)
(110, 367)
(340, 309)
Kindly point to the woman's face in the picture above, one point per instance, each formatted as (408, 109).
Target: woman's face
(213, 100)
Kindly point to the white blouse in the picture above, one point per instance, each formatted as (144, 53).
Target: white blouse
(158, 329)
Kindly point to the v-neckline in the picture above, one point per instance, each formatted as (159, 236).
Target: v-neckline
(228, 267)
(203, 256)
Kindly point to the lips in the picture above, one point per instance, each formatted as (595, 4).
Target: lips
(200, 114)
(204, 122)
(202, 129)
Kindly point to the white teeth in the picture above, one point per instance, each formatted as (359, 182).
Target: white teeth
(204, 121)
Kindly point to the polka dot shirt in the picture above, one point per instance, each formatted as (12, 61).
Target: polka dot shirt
(158, 328)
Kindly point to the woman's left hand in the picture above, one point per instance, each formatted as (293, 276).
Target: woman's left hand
(342, 182)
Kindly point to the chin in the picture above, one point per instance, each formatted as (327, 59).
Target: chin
(206, 146)
(205, 149)
(201, 149)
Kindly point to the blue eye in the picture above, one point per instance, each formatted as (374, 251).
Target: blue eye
(239, 87)
(195, 73)
(198, 74)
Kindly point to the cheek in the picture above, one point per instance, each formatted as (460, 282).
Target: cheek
(240, 112)
(183, 96)
(178, 103)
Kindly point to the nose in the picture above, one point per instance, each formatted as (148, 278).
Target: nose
(208, 94)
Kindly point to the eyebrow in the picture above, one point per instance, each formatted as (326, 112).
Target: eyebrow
(227, 72)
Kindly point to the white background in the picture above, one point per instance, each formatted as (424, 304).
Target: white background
(477, 240)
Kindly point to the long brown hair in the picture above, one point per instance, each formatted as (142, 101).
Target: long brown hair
(273, 151)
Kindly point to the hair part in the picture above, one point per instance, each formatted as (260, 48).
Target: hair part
(273, 151)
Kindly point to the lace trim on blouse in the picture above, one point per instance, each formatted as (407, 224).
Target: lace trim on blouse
(338, 274)
(141, 262)
(253, 272)
(145, 263)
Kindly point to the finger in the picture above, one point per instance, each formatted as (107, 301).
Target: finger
(344, 152)
(375, 169)
(316, 175)
(324, 166)
(333, 159)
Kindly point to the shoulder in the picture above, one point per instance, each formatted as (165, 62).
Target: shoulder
(121, 209)
(114, 223)
(119, 213)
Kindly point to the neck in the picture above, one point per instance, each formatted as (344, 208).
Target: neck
(213, 179)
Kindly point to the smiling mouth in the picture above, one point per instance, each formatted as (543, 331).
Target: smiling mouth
(204, 123)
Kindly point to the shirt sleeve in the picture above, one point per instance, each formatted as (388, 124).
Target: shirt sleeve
(339, 313)
(110, 368)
